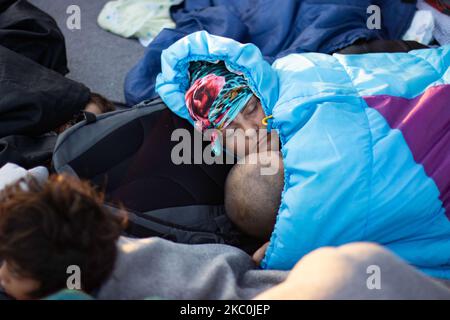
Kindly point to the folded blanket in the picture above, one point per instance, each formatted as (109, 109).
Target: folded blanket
(364, 143)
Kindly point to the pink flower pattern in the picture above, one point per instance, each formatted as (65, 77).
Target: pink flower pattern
(200, 97)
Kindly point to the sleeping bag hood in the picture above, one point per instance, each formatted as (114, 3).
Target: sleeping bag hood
(365, 145)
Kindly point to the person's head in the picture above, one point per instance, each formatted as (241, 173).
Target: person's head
(97, 105)
(253, 193)
(45, 229)
(220, 99)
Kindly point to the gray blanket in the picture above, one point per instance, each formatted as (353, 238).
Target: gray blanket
(155, 267)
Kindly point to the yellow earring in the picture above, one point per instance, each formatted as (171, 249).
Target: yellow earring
(264, 121)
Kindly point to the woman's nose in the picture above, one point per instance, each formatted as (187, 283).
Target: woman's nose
(250, 125)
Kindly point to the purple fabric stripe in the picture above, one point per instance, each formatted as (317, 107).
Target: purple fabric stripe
(425, 124)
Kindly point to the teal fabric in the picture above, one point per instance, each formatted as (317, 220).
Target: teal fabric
(348, 175)
(69, 295)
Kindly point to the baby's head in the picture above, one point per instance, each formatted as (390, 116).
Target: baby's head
(97, 105)
(253, 193)
(45, 229)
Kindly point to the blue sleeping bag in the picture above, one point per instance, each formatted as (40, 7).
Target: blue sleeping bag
(277, 28)
(365, 145)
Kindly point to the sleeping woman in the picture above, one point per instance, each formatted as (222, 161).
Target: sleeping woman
(364, 140)
(220, 99)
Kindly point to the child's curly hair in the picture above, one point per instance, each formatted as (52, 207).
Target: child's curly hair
(44, 229)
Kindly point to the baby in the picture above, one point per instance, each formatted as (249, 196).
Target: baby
(253, 193)
(97, 105)
(46, 228)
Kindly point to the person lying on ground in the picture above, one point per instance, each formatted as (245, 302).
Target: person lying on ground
(363, 140)
(46, 228)
(61, 223)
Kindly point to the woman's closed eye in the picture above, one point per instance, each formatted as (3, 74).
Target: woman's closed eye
(251, 107)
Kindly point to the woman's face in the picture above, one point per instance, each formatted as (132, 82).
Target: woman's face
(247, 134)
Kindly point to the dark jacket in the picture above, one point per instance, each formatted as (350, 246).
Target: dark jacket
(35, 97)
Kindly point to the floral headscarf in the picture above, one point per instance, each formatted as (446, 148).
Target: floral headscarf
(215, 97)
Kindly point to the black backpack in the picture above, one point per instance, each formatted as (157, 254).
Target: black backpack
(127, 154)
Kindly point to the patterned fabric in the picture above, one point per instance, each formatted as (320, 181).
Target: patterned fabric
(215, 97)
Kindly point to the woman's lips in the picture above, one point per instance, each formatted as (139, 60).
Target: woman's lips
(264, 142)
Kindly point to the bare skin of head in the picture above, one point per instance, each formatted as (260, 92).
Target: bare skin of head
(253, 193)
(247, 134)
